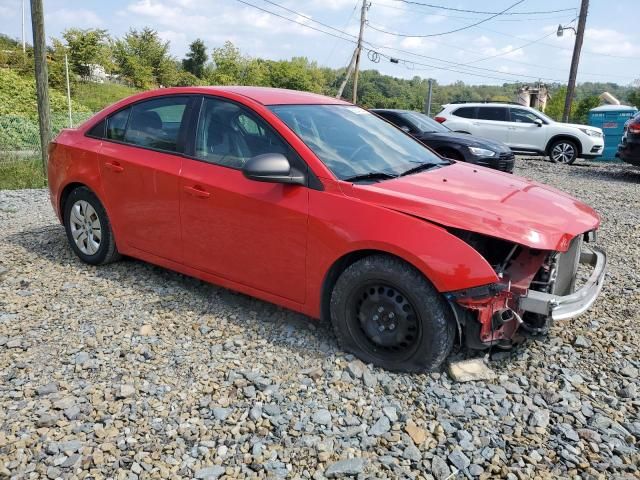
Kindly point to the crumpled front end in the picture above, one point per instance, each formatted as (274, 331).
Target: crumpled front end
(536, 287)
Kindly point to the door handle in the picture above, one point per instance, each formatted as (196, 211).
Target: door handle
(115, 166)
(197, 191)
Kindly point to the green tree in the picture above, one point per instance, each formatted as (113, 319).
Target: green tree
(228, 65)
(555, 106)
(86, 48)
(144, 58)
(633, 98)
(581, 112)
(196, 58)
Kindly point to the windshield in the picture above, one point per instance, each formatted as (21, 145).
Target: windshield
(353, 142)
(424, 123)
(545, 117)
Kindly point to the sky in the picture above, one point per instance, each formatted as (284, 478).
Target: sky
(488, 53)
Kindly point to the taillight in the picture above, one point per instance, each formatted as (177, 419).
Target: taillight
(634, 127)
(440, 119)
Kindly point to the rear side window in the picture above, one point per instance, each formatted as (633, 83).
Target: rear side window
(156, 123)
(492, 113)
(465, 112)
(117, 124)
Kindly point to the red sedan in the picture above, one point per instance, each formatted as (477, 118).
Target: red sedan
(320, 206)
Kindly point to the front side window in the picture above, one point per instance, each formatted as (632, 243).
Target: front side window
(156, 123)
(498, 114)
(352, 141)
(229, 135)
(520, 115)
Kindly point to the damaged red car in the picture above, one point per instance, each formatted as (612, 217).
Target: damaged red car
(319, 206)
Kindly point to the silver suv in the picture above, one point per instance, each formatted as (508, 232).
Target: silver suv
(524, 129)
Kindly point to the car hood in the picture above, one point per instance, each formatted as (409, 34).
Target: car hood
(466, 139)
(484, 201)
(579, 126)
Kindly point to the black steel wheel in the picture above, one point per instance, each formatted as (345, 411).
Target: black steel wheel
(387, 313)
(387, 320)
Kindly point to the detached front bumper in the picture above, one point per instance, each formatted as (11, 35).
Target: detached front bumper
(563, 307)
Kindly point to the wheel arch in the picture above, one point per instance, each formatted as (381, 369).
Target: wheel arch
(66, 191)
(336, 269)
(73, 185)
(563, 136)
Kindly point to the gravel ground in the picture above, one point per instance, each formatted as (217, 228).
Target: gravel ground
(131, 371)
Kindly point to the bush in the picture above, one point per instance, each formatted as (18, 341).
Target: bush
(21, 172)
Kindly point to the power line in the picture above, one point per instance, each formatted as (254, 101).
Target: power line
(299, 23)
(335, 44)
(452, 9)
(450, 31)
(403, 9)
(466, 65)
(407, 63)
(513, 49)
(308, 17)
(558, 47)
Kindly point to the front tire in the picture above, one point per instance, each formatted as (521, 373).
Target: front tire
(563, 151)
(88, 228)
(387, 313)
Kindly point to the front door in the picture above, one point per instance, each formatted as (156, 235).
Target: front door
(140, 171)
(249, 232)
(524, 133)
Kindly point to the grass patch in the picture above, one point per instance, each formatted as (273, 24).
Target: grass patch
(17, 173)
(96, 96)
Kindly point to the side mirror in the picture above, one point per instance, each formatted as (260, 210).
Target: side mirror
(273, 168)
(538, 122)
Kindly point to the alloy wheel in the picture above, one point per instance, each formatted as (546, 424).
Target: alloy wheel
(563, 152)
(86, 229)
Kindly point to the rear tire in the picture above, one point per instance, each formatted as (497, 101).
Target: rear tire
(387, 313)
(88, 228)
(563, 151)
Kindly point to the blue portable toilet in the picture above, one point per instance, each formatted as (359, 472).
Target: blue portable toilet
(611, 118)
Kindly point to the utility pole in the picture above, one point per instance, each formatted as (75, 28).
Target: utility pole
(347, 74)
(354, 63)
(24, 43)
(363, 19)
(66, 70)
(42, 77)
(427, 107)
(582, 21)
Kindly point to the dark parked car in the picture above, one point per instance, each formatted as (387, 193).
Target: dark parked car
(449, 144)
(629, 149)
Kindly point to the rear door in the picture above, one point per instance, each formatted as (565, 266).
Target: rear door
(140, 163)
(524, 133)
(491, 122)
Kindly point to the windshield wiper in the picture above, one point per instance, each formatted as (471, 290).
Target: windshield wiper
(421, 167)
(370, 176)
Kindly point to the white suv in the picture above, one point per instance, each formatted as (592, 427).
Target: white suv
(524, 129)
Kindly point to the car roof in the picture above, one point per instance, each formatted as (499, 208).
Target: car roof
(263, 95)
(485, 104)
